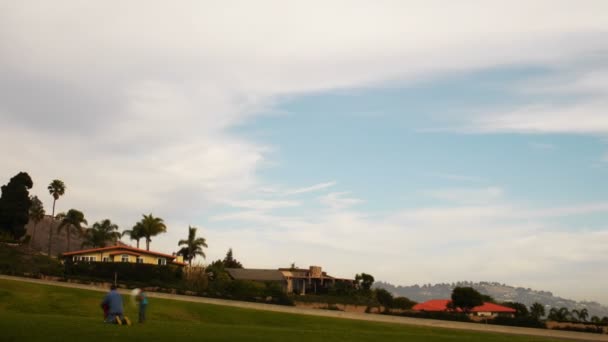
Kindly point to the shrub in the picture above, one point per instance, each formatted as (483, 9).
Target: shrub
(529, 322)
(150, 275)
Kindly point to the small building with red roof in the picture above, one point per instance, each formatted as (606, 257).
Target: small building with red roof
(123, 253)
(485, 310)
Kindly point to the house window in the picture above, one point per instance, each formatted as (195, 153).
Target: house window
(162, 261)
(124, 258)
(106, 259)
(92, 259)
(140, 260)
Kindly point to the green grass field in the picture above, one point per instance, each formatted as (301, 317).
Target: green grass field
(32, 312)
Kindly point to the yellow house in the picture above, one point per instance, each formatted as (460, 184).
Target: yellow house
(124, 254)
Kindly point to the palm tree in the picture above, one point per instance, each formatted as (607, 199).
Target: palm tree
(560, 315)
(151, 226)
(574, 315)
(73, 221)
(101, 233)
(537, 310)
(193, 246)
(36, 214)
(56, 189)
(134, 233)
(583, 315)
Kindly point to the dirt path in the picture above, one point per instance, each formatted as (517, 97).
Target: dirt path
(565, 335)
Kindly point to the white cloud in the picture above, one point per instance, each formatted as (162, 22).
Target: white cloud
(581, 118)
(339, 200)
(467, 195)
(311, 188)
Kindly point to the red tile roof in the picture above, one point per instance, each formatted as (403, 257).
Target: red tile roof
(118, 249)
(442, 305)
(432, 305)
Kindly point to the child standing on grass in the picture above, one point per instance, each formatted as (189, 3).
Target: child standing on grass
(142, 298)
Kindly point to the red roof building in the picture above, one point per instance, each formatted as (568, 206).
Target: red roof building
(124, 253)
(441, 305)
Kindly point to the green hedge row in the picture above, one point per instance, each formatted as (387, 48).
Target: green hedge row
(143, 274)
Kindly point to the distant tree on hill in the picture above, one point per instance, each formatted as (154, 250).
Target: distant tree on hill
(73, 221)
(100, 233)
(193, 246)
(466, 298)
(537, 310)
(364, 281)
(36, 213)
(151, 226)
(56, 189)
(135, 233)
(230, 262)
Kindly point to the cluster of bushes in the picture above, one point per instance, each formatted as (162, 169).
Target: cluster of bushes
(440, 315)
(518, 321)
(588, 329)
(140, 274)
(17, 261)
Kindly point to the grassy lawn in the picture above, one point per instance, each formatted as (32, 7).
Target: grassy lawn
(32, 312)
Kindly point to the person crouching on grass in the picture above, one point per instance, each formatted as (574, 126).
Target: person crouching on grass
(113, 300)
(142, 298)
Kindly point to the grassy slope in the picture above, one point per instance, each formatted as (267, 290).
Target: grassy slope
(31, 312)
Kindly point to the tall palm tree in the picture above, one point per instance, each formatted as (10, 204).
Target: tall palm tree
(72, 221)
(151, 226)
(36, 214)
(101, 233)
(134, 233)
(56, 189)
(193, 246)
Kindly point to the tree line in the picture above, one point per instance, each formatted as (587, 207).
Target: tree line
(17, 208)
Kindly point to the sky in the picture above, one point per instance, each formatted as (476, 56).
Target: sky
(418, 141)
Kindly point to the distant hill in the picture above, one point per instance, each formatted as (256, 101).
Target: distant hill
(40, 240)
(40, 237)
(500, 292)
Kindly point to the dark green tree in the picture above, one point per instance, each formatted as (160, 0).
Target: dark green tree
(521, 310)
(230, 262)
(100, 234)
(560, 315)
(36, 213)
(151, 226)
(135, 233)
(15, 205)
(56, 189)
(537, 310)
(403, 303)
(466, 298)
(193, 246)
(73, 223)
(583, 315)
(364, 281)
(385, 298)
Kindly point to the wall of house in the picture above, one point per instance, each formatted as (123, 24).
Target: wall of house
(147, 259)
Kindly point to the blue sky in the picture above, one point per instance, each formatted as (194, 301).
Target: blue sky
(419, 141)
